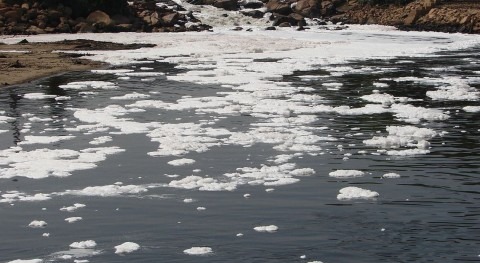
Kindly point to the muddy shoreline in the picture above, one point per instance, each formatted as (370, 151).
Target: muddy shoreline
(24, 62)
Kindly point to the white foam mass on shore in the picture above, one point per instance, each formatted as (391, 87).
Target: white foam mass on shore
(30, 139)
(107, 190)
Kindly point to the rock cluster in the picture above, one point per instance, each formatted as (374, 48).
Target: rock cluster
(433, 15)
(145, 16)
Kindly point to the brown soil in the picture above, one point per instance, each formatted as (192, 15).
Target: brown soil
(39, 60)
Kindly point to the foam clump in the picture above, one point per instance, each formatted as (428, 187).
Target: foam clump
(37, 224)
(391, 175)
(202, 184)
(29, 139)
(346, 173)
(180, 162)
(38, 96)
(269, 229)
(195, 251)
(73, 219)
(131, 96)
(84, 244)
(127, 247)
(72, 208)
(108, 190)
(78, 85)
(36, 260)
(471, 108)
(352, 193)
(13, 196)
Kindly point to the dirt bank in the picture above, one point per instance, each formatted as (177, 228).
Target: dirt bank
(23, 62)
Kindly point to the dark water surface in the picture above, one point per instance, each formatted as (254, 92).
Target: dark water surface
(430, 214)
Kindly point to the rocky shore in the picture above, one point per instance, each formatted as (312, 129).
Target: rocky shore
(36, 17)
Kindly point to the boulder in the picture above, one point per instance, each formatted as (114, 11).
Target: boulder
(226, 4)
(278, 6)
(12, 16)
(170, 19)
(99, 17)
(253, 13)
(413, 16)
(308, 8)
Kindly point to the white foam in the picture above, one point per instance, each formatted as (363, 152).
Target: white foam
(391, 175)
(346, 173)
(131, 96)
(73, 219)
(108, 190)
(203, 184)
(37, 224)
(84, 244)
(111, 71)
(26, 261)
(195, 251)
(30, 139)
(38, 96)
(269, 228)
(42, 163)
(101, 140)
(13, 196)
(352, 193)
(471, 108)
(181, 162)
(72, 208)
(127, 247)
(80, 85)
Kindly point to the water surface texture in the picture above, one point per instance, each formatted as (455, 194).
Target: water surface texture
(359, 145)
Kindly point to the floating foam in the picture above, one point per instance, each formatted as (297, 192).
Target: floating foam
(346, 173)
(195, 251)
(13, 196)
(107, 190)
(111, 71)
(181, 162)
(101, 140)
(73, 219)
(78, 85)
(269, 229)
(127, 247)
(30, 139)
(202, 184)
(38, 96)
(26, 261)
(352, 193)
(37, 224)
(391, 175)
(84, 244)
(131, 96)
(471, 108)
(72, 208)
(42, 163)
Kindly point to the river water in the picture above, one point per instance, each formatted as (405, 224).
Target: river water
(359, 145)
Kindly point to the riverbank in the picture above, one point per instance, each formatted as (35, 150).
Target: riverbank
(24, 62)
